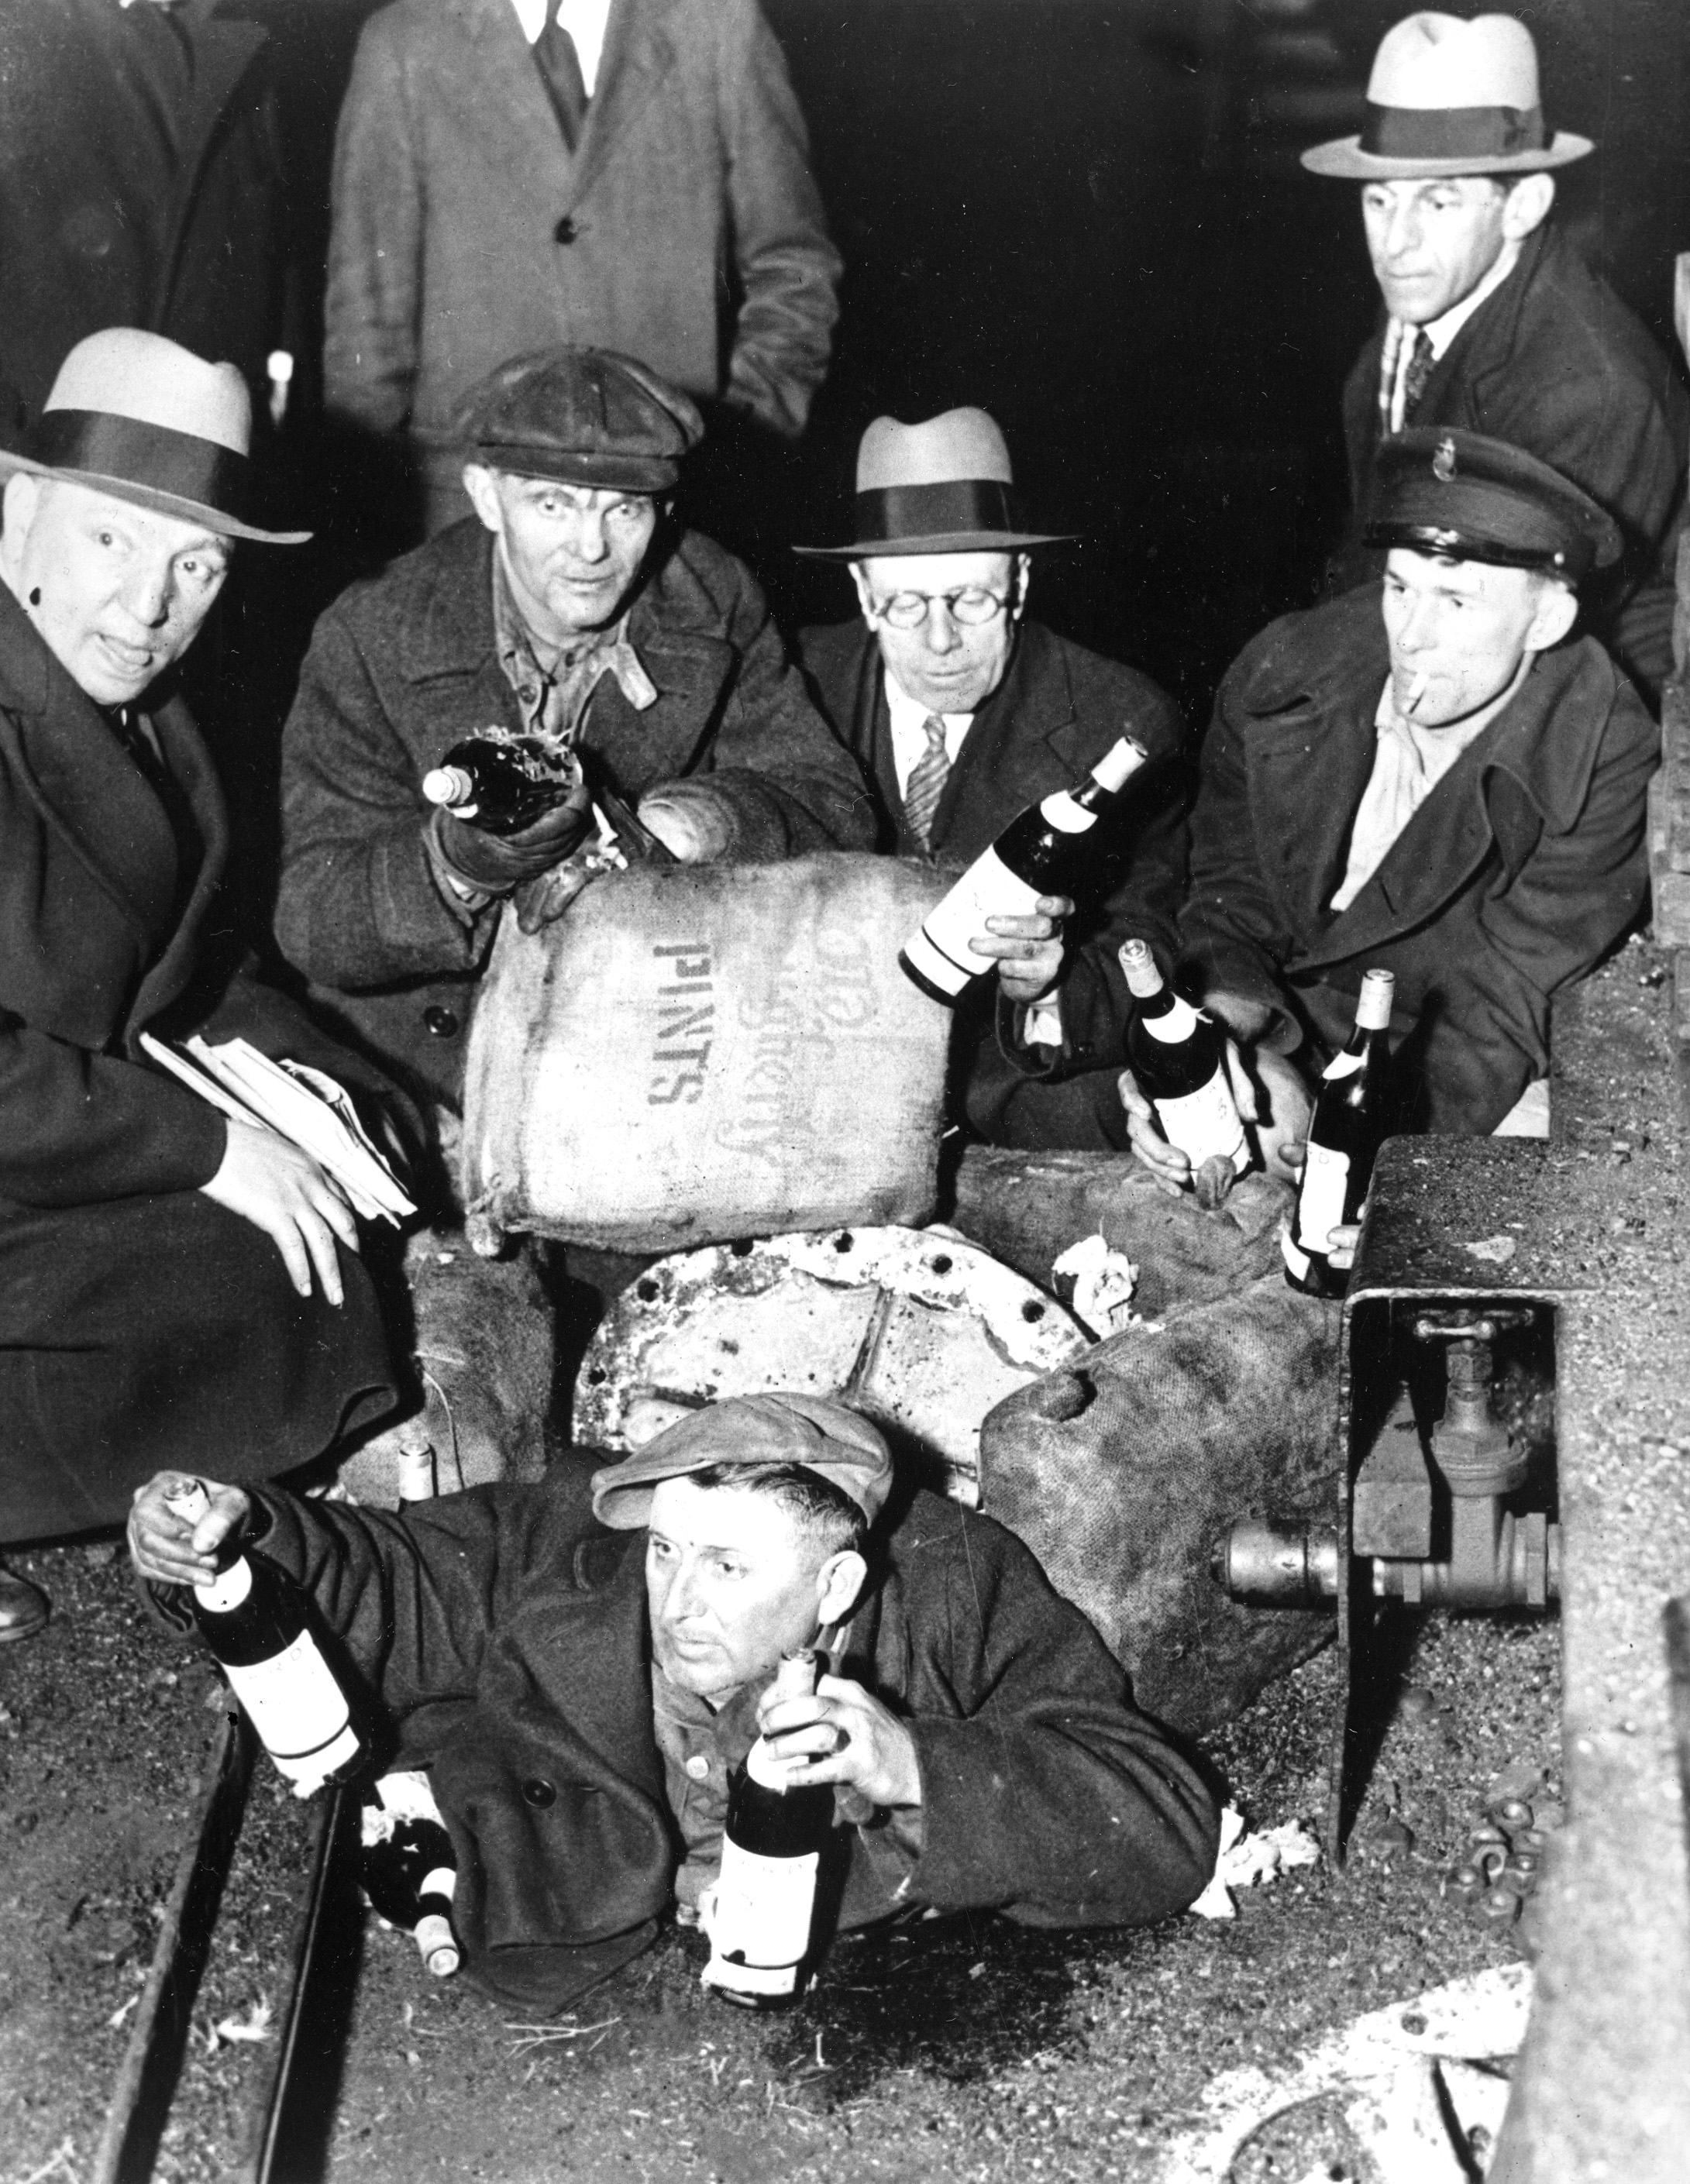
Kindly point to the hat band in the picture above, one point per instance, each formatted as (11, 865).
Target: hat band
(179, 463)
(958, 506)
(1451, 132)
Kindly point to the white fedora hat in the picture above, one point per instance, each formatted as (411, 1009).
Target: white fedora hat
(943, 486)
(1450, 97)
(138, 417)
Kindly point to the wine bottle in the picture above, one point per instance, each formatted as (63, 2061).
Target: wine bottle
(409, 1872)
(772, 1845)
(1178, 1057)
(503, 783)
(1344, 1133)
(252, 1616)
(1043, 850)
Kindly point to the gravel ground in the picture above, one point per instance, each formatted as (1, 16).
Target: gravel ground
(960, 2048)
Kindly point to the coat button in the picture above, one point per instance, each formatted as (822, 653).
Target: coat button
(441, 1023)
(698, 1767)
(539, 1792)
(565, 231)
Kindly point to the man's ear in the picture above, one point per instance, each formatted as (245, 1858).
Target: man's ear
(864, 597)
(22, 498)
(839, 1583)
(1527, 206)
(484, 496)
(1556, 611)
(1022, 577)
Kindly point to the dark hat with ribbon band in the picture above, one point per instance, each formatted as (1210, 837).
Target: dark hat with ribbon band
(584, 417)
(944, 487)
(1461, 497)
(136, 416)
(1450, 97)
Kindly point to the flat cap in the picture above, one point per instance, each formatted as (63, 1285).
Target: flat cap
(1438, 490)
(836, 1443)
(584, 417)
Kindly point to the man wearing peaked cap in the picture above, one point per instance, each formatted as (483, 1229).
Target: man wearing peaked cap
(961, 711)
(570, 606)
(582, 1703)
(1432, 776)
(1493, 323)
(172, 1286)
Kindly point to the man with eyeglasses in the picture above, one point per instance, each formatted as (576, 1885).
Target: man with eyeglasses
(962, 712)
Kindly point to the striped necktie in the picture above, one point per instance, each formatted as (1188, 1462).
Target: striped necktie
(559, 67)
(926, 784)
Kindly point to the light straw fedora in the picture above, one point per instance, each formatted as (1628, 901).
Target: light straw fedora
(1450, 97)
(135, 416)
(944, 487)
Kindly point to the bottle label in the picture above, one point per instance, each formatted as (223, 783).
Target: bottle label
(228, 1588)
(1067, 817)
(763, 1910)
(296, 1706)
(939, 950)
(1175, 1026)
(1341, 1066)
(1320, 1202)
(1205, 1122)
(439, 1880)
(1296, 1260)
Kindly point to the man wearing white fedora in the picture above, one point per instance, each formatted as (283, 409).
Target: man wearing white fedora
(1493, 322)
(962, 712)
(170, 1282)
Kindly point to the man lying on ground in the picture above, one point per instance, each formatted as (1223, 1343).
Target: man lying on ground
(580, 1702)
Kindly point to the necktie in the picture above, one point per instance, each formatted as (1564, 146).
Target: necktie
(559, 67)
(1419, 371)
(926, 784)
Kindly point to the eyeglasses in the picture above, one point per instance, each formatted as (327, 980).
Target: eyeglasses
(972, 607)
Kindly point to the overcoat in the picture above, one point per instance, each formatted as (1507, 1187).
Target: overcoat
(685, 229)
(1058, 710)
(1554, 363)
(140, 1324)
(402, 668)
(1526, 863)
(515, 1658)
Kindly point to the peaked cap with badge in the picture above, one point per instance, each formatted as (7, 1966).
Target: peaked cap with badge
(1441, 491)
(146, 421)
(943, 486)
(1450, 97)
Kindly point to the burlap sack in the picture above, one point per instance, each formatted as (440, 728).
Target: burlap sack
(695, 1054)
(1121, 1473)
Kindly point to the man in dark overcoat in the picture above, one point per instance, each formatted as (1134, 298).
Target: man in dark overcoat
(174, 1287)
(962, 712)
(581, 1700)
(1493, 322)
(630, 175)
(571, 606)
(1430, 776)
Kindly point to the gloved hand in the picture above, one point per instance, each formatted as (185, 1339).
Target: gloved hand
(690, 819)
(493, 864)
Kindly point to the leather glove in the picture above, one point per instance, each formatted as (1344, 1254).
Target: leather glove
(493, 864)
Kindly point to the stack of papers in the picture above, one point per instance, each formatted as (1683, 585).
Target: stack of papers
(299, 1104)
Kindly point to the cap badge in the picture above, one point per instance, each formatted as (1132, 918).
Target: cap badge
(1443, 461)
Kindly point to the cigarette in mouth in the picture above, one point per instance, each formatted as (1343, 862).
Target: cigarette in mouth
(1417, 690)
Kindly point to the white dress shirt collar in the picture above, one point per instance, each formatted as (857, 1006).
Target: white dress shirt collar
(909, 731)
(584, 20)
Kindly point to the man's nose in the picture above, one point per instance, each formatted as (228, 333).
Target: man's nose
(1401, 230)
(940, 629)
(146, 595)
(1415, 630)
(588, 543)
(684, 1598)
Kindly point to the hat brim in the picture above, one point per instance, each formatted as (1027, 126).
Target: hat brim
(142, 496)
(1343, 158)
(944, 542)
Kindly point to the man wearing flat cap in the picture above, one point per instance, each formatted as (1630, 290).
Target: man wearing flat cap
(580, 1702)
(1431, 778)
(1493, 322)
(570, 606)
(961, 711)
(175, 1286)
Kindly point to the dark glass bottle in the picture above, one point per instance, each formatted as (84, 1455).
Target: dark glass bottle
(1178, 1057)
(1044, 851)
(761, 1928)
(1344, 1134)
(252, 1616)
(503, 784)
(410, 1877)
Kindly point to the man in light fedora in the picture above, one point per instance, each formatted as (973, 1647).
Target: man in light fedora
(1493, 322)
(962, 712)
(174, 1287)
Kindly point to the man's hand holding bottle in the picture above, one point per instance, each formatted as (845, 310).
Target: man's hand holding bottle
(164, 1547)
(841, 1733)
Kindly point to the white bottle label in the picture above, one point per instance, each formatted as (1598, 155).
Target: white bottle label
(763, 1911)
(1174, 1025)
(1341, 1065)
(939, 950)
(296, 1706)
(1320, 1202)
(1205, 1122)
(1067, 817)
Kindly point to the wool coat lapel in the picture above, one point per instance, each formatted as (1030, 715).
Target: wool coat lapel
(1025, 744)
(505, 109)
(638, 54)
